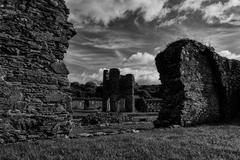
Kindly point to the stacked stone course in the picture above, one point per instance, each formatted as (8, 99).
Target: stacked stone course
(34, 36)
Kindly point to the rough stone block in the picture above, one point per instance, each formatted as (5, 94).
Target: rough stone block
(59, 68)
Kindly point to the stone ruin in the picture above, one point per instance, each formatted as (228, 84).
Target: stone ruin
(118, 91)
(199, 85)
(34, 36)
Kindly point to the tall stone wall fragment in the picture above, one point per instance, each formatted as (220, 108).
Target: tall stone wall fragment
(33, 39)
(200, 85)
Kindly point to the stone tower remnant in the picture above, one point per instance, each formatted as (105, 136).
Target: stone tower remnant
(200, 86)
(118, 91)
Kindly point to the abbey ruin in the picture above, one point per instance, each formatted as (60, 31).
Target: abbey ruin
(36, 97)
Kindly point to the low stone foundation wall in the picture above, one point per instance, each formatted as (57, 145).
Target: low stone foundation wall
(16, 126)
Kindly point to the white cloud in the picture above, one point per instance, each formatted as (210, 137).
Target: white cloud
(218, 12)
(107, 10)
(84, 11)
(86, 77)
(143, 75)
(191, 5)
(140, 59)
(177, 20)
(222, 12)
(228, 54)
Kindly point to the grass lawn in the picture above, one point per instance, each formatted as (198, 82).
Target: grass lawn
(203, 142)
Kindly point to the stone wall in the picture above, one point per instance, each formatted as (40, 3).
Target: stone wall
(34, 36)
(200, 86)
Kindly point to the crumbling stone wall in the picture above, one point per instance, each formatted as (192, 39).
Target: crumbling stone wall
(34, 36)
(200, 86)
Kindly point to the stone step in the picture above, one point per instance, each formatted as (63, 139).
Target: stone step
(140, 114)
(85, 111)
(77, 114)
(144, 118)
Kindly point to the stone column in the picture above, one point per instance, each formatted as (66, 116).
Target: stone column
(86, 104)
(105, 91)
(114, 78)
(130, 100)
(113, 103)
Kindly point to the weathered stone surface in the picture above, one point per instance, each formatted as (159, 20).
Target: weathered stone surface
(200, 86)
(60, 68)
(17, 126)
(55, 97)
(33, 40)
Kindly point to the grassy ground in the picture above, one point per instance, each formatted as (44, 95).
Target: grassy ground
(204, 142)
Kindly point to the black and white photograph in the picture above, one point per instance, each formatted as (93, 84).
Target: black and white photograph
(119, 79)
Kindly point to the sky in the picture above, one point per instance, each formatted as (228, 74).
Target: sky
(128, 34)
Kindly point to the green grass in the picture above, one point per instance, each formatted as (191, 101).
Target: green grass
(203, 142)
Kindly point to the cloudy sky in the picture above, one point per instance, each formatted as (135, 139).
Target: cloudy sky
(127, 34)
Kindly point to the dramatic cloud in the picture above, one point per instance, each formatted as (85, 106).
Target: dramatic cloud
(177, 20)
(104, 11)
(107, 10)
(191, 5)
(217, 12)
(223, 12)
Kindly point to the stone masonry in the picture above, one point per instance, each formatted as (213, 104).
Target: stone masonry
(34, 36)
(118, 91)
(200, 86)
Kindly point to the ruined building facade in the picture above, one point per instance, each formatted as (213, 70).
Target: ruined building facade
(200, 86)
(118, 91)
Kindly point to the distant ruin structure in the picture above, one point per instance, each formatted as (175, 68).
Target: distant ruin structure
(118, 91)
(199, 85)
(88, 104)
